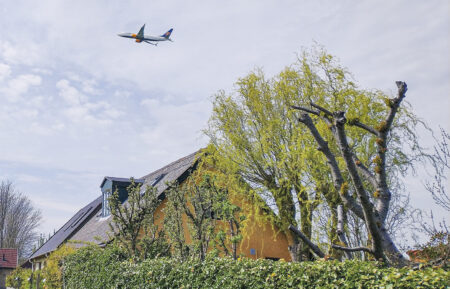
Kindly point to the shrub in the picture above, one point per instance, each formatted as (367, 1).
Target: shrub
(21, 279)
(92, 267)
(52, 271)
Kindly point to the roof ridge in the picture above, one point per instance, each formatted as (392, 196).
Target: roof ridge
(171, 164)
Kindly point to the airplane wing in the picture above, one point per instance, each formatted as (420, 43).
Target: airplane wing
(149, 42)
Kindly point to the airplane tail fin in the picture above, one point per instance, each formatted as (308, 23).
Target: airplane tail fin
(141, 32)
(167, 34)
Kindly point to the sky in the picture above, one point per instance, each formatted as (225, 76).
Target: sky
(79, 103)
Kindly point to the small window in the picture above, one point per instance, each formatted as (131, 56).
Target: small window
(106, 210)
(157, 179)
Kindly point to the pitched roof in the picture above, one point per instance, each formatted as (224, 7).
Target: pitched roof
(8, 258)
(88, 224)
(69, 228)
(96, 229)
(175, 171)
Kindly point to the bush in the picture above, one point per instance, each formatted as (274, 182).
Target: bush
(92, 267)
(52, 271)
(20, 279)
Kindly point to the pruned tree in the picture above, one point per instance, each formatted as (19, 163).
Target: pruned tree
(19, 220)
(135, 225)
(372, 211)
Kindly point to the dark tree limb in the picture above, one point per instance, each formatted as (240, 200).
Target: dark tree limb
(307, 241)
(322, 109)
(365, 172)
(305, 109)
(384, 194)
(372, 221)
(365, 127)
(355, 249)
(338, 180)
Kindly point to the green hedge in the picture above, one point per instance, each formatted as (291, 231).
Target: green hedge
(92, 267)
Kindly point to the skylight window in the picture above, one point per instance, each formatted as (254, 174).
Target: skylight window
(157, 179)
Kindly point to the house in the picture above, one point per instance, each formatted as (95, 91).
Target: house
(8, 262)
(91, 223)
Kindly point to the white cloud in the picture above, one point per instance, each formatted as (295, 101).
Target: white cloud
(25, 52)
(5, 71)
(69, 93)
(19, 86)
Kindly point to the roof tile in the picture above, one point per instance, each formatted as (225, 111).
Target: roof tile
(8, 258)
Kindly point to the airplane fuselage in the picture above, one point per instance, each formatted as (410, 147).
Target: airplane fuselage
(144, 38)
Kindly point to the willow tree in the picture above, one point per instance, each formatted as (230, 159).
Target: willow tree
(256, 130)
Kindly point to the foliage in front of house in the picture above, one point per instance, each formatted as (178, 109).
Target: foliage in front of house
(92, 267)
(24, 279)
(52, 273)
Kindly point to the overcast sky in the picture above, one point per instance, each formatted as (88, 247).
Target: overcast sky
(79, 103)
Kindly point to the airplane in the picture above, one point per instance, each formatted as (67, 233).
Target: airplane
(140, 37)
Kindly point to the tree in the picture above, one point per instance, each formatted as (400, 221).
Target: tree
(196, 200)
(374, 212)
(135, 224)
(213, 220)
(18, 220)
(256, 131)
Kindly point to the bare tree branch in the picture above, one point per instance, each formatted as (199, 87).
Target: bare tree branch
(365, 127)
(332, 163)
(322, 109)
(372, 222)
(313, 247)
(368, 176)
(305, 109)
(384, 194)
(18, 220)
(346, 249)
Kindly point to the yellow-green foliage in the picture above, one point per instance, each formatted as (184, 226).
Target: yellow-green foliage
(257, 132)
(19, 278)
(94, 268)
(24, 279)
(52, 270)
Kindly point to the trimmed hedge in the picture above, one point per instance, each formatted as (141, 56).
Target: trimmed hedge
(92, 267)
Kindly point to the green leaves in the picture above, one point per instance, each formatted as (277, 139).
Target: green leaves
(93, 267)
(135, 223)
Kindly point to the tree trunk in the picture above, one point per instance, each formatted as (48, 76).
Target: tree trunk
(295, 250)
(393, 254)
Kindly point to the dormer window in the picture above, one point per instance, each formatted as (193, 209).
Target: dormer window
(110, 185)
